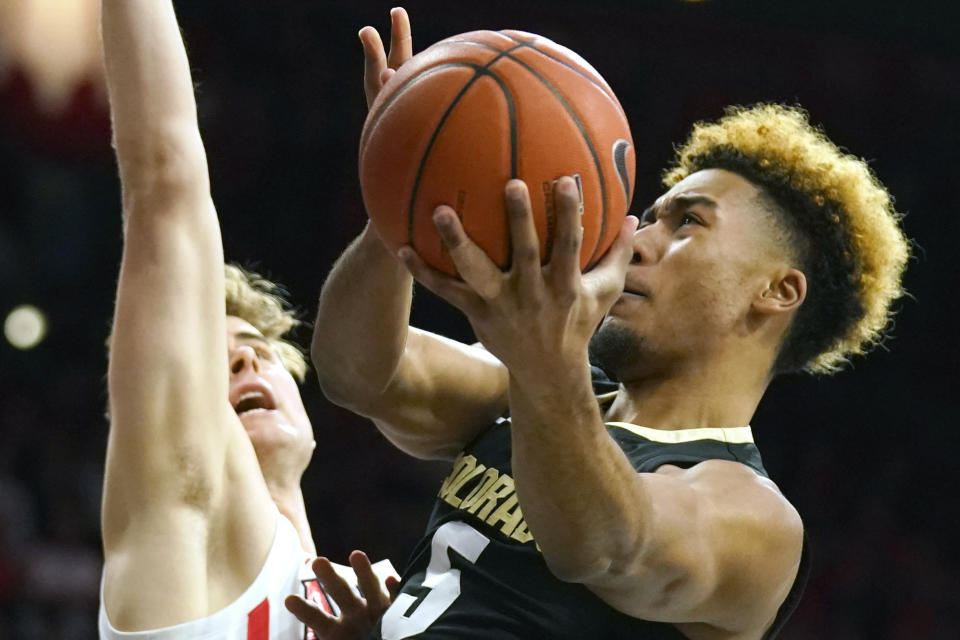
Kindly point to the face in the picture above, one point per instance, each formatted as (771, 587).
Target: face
(702, 253)
(267, 401)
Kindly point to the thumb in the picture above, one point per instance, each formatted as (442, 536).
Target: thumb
(607, 277)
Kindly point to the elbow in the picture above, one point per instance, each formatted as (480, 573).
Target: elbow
(162, 161)
(344, 382)
(342, 389)
(578, 566)
(581, 561)
(337, 392)
(330, 375)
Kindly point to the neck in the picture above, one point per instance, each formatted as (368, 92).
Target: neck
(289, 500)
(697, 395)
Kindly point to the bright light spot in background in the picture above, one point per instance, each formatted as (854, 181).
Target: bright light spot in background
(25, 326)
(55, 43)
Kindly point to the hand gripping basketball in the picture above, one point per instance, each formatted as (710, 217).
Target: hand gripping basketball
(531, 316)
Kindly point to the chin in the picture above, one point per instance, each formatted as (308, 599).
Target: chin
(260, 417)
(268, 426)
(616, 348)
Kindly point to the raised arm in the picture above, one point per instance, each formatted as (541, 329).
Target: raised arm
(427, 394)
(175, 446)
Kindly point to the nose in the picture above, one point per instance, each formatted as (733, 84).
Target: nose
(244, 357)
(646, 243)
(639, 252)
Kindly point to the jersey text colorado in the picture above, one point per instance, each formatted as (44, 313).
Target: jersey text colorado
(487, 494)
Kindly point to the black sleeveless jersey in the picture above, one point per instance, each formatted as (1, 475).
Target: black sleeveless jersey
(477, 572)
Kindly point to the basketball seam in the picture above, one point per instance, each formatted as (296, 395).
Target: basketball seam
(479, 71)
(529, 45)
(505, 53)
(396, 94)
(586, 137)
(580, 72)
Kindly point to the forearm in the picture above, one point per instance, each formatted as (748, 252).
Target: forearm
(151, 93)
(362, 322)
(580, 495)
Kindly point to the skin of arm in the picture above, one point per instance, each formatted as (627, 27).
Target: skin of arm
(714, 543)
(715, 546)
(176, 451)
(427, 394)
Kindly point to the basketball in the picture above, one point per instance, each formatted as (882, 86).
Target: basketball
(461, 118)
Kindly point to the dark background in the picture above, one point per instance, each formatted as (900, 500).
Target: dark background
(867, 456)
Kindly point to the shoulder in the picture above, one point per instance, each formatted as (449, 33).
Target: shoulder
(742, 499)
(757, 534)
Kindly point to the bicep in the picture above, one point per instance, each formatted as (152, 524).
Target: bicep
(722, 547)
(168, 343)
(443, 393)
(170, 418)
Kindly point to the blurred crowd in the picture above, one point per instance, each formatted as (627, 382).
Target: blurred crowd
(868, 458)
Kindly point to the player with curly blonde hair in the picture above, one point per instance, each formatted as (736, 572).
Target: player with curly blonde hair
(839, 225)
(638, 507)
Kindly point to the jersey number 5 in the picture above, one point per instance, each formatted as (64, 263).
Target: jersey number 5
(442, 580)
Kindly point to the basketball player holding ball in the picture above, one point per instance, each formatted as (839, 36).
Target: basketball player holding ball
(204, 528)
(638, 508)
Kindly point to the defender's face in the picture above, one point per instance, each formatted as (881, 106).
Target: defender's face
(700, 254)
(264, 394)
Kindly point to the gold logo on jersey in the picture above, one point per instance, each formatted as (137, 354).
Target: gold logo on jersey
(486, 493)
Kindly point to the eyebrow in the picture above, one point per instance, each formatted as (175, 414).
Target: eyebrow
(677, 202)
(249, 335)
(691, 201)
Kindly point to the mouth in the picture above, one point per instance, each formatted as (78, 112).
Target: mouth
(252, 402)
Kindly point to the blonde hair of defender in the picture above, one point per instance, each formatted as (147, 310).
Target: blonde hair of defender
(253, 298)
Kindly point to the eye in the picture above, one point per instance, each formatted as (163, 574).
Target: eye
(264, 353)
(687, 218)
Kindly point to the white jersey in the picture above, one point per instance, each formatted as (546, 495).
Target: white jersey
(259, 613)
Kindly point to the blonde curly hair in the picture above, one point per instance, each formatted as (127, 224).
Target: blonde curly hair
(251, 297)
(840, 220)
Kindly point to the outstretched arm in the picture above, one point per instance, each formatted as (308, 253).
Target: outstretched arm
(175, 446)
(427, 394)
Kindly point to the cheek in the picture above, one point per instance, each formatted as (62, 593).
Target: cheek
(705, 294)
(286, 389)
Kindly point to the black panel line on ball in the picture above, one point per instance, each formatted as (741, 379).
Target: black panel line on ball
(561, 61)
(586, 137)
(478, 72)
(396, 94)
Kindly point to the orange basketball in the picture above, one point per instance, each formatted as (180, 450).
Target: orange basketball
(461, 118)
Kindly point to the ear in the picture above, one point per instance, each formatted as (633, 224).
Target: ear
(784, 294)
